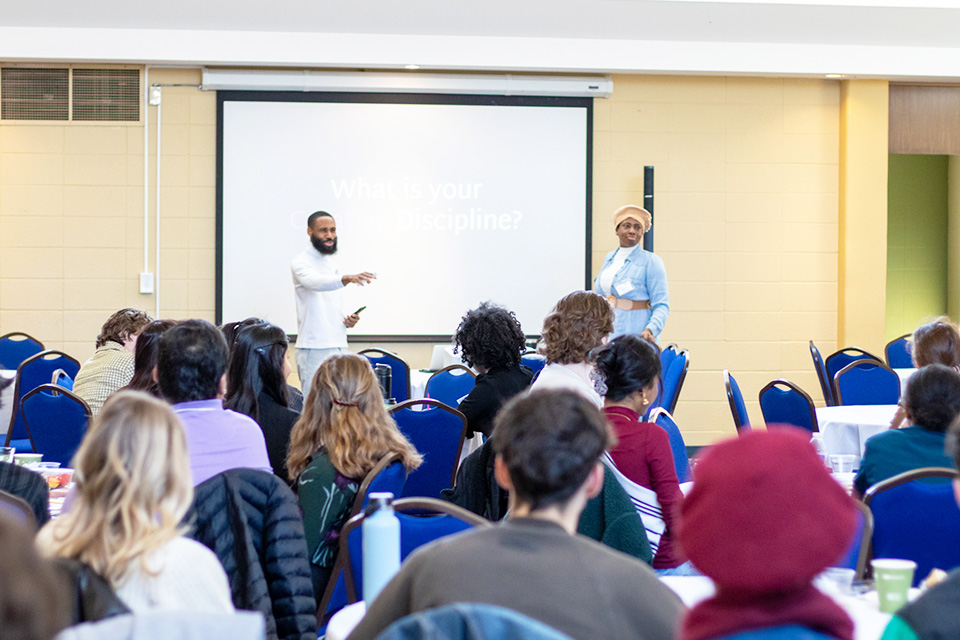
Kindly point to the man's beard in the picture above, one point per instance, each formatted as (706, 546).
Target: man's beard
(322, 248)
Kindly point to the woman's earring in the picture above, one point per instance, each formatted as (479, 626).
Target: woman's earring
(645, 401)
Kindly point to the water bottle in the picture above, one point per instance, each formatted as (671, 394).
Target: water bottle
(817, 442)
(381, 545)
(385, 378)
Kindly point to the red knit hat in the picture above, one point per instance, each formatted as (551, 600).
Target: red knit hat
(764, 513)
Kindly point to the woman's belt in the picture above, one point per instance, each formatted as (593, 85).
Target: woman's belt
(625, 304)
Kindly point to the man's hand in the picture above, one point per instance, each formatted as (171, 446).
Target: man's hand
(647, 335)
(361, 279)
(351, 320)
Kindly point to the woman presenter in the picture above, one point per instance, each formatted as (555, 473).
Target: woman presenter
(634, 280)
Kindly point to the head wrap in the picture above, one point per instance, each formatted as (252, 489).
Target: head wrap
(763, 518)
(639, 214)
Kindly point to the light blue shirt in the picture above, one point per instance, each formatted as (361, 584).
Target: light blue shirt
(642, 277)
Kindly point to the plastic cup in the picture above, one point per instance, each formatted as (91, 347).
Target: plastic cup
(842, 463)
(893, 578)
(7, 453)
(23, 459)
(837, 580)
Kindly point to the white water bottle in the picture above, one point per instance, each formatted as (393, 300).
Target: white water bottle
(381, 545)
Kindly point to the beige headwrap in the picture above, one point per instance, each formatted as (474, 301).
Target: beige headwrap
(639, 214)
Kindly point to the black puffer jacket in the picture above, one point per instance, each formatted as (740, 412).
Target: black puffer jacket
(251, 520)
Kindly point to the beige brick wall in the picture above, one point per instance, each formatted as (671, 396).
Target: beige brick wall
(746, 174)
(746, 221)
(71, 218)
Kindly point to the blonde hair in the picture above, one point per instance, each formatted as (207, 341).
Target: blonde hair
(133, 487)
(344, 413)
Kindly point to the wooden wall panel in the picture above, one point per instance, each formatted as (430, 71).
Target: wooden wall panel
(924, 119)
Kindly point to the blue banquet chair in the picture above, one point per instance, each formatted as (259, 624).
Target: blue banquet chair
(399, 371)
(34, 371)
(427, 520)
(437, 432)
(450, 384)
(917, 520)
(898, 352)
(56, 420)
(15, 347)
(738, 407)
(866, 382)
(783, 402)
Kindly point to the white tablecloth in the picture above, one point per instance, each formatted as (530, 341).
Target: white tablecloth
(904, 376)
(6, 400)
(845, 429)
(868, 621)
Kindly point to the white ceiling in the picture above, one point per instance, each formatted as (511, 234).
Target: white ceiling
(914, 40)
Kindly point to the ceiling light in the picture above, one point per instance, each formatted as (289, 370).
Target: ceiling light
(412, 67)
(834, 76)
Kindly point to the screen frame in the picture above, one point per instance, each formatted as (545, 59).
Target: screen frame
(401, 98)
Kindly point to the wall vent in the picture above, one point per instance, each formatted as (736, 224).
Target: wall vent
(89, 95)
(34, 94)
(106, 94)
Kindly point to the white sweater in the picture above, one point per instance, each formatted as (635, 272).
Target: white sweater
(188, 577)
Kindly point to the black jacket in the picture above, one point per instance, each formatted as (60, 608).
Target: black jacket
(276, 421)
(491, 391)
(250, 519)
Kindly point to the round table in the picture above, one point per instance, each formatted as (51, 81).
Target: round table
(845, 429)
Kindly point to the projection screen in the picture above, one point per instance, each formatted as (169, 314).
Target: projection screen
(450, 200)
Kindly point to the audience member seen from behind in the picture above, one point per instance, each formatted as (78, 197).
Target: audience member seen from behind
(34, 602)
(191, 372)
(579, 323)
(548, 446)
(112, 364)
(230, 331)
(936, 342)
(764, 517)
(629, 369)
(930, 403)
(145, 358)
(133, 490)
(342, 434)
(490, 342)
(934, 614)
(257, 387)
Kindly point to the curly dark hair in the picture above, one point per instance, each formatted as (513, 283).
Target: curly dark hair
(489, 336)
(576, 326)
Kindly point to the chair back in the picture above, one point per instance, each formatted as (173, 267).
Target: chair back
(738, 408)
(430, 520)
(826, 383)
(898, 352)
(662, 418)
(916, 520)
(533, 361)
(17, 509)
(673, 381)
(389, 475)
(437, 432)
(839, 359)
(470, 621)
(855, 556)
(866, 382)
(62, 379)
(450, 384)
(782, 402)
(56, 421)
(399, 371)
(667, 355)
(15, 347)
(34, 371)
